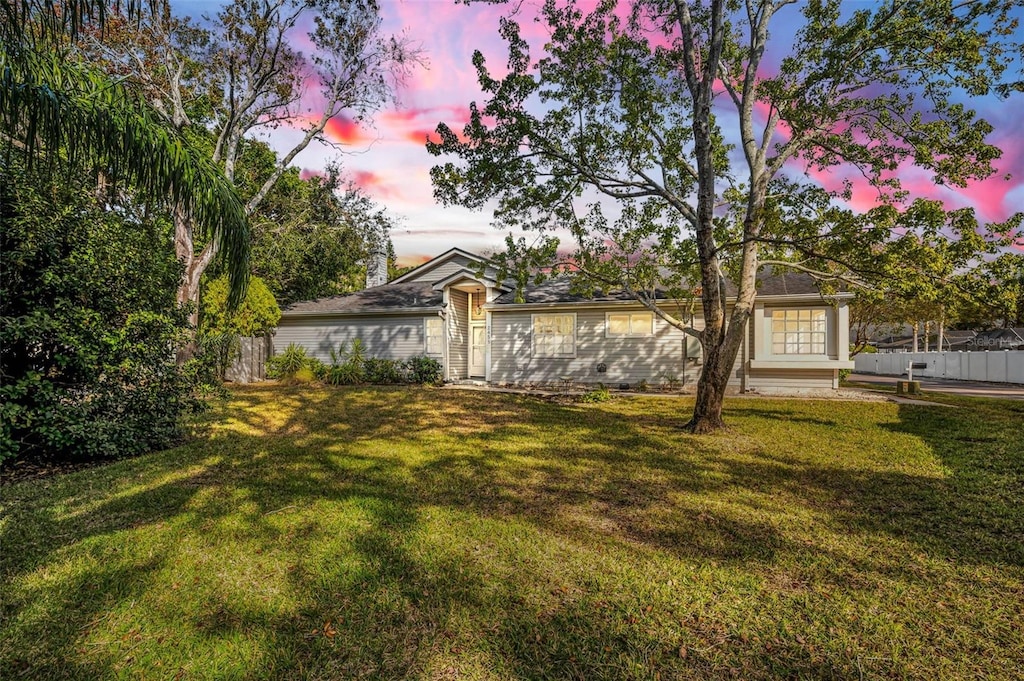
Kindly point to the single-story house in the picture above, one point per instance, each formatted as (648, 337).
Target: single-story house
(456, 310)
(998, 339)
(952, 339)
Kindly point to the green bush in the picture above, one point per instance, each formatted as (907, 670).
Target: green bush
(350, 366)
(306, 374)
(423, 370)
(257, 315)
(381, 371)
(598, 394)
(347, 364)
(89, 317)
(220, 328)
(288, 364)
(343, 374)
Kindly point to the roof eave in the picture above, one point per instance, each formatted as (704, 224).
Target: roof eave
(367, 312)
(787, 298)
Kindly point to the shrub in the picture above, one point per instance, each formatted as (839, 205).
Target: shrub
(670, 382)
(423, 370)
(89, 317)
(598, 394)
(383, 371)
(286, 365)
(343, 374)
(258, 314)
(306, 374)
(347, 364)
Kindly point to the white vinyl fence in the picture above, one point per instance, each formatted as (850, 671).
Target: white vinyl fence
(996, 366)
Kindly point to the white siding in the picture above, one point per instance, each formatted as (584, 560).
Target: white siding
(458, 334)
(386, 337)
(654, 359)
(767, 380)
(442, 271)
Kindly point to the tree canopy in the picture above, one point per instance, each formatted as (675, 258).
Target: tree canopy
(238, 72)
(58, 108)
(669, 112)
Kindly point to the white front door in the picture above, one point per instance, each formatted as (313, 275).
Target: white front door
(477, 349)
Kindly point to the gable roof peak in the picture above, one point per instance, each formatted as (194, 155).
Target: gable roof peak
(438, 260)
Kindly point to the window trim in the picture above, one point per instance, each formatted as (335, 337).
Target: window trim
(533, 335)
(771, 333)
(608, 327)
(426, 336)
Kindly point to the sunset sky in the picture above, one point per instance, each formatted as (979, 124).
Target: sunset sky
(389, 161)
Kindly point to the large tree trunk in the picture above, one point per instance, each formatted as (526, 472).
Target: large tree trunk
(707, 411)
(720, 353)
(193, 267)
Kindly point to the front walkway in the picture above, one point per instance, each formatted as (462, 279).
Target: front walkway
(847, 394)
(1006, 391)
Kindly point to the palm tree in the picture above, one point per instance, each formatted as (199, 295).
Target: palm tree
(57, 109)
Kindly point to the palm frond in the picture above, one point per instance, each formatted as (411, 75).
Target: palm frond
(65, 110)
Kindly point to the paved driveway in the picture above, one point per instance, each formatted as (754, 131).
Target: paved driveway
(1006, 391)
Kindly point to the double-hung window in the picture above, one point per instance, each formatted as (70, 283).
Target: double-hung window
(433, 334)
(554, 335)
(629, 324)
(799, 332)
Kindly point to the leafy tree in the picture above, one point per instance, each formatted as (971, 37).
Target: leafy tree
(924, 271)
(240, 73)
(56, 106)
(312, 237)
(996, 293)
(256, 315)
(639, 109)
(221, 328)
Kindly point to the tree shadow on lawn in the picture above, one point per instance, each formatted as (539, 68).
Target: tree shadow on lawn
(401, 605)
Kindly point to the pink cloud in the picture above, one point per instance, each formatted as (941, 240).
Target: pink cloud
(346, 131)
(373, 183)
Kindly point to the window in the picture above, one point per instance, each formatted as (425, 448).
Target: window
(433, 333)
(554, 335)
(619, 324)
(798, 332)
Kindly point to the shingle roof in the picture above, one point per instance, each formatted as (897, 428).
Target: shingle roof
(378, 298)
(1008, 333)
(557, 289)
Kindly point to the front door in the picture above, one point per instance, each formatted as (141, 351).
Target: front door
(477, 349)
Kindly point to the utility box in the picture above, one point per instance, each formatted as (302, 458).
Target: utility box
(908, 387)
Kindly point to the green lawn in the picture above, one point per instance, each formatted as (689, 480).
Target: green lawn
(436, 534)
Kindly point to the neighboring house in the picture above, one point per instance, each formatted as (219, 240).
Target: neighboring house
(894, 343)
(952, 339)
(471, 322)
(955, 339)
(998, 339)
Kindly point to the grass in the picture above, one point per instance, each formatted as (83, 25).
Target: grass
(428, 534)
